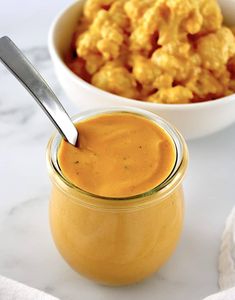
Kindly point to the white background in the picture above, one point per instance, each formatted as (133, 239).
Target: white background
(27, 252)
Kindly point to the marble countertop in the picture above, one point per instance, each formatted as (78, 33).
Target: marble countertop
(27, 252)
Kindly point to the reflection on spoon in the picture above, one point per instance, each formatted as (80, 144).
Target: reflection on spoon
(24, 71)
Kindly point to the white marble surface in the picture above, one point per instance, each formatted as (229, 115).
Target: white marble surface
(27, 252)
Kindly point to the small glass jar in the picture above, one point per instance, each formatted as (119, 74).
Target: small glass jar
(117, 241)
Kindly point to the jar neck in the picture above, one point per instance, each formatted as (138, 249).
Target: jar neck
(167, 185)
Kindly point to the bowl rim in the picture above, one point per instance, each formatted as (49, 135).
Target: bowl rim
(125, 101)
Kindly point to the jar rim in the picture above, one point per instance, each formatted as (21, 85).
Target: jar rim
(176, 137)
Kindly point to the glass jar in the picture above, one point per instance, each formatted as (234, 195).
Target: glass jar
(117, 241)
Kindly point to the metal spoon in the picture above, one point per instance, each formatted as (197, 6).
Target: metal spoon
(24, 71)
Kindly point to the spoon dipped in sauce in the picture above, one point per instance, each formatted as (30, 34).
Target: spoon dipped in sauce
(24, 71)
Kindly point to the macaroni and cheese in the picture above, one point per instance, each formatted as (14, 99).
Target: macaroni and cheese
(163, 51)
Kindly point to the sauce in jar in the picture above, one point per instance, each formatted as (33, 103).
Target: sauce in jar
(116, 209)
(119, 155)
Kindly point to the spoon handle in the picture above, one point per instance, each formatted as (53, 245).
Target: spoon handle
(24, 71)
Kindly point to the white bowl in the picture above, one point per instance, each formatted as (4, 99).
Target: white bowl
(192, 120)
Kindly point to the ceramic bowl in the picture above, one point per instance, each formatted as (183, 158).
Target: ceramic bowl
(192, 120)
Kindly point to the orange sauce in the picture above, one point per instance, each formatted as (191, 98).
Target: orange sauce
(119, 155)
